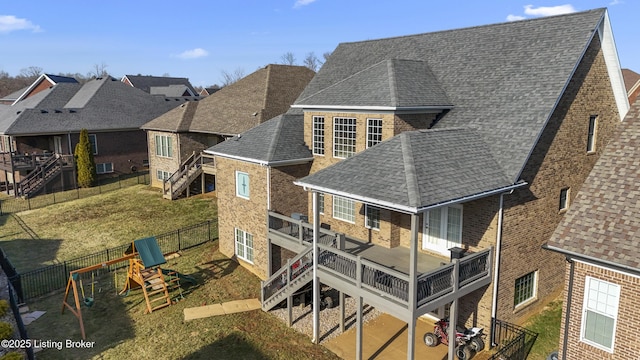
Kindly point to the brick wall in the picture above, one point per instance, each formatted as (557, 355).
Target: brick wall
(559, 160)
(158, 162)
(287, 198)
(626, 342)
(249, 215)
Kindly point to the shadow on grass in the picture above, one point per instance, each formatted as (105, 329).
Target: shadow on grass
(29, 254)
(232, 346)
(214, 269)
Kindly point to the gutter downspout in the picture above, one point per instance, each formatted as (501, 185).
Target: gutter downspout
(496, 269)
(567, 315)
(268, 188)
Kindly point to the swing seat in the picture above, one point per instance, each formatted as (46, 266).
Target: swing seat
(88, 302)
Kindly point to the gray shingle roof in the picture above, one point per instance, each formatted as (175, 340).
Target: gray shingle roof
(146, 82)
(603, 221)
(99, 105)
(502, 79)
(277, 140)
(244, 104)
(416, 169)
(389, 83)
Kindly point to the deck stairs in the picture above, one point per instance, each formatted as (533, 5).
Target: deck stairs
(285, 282)
(40, 176)
(180, 180)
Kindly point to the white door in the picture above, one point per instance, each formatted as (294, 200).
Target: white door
(442, 229)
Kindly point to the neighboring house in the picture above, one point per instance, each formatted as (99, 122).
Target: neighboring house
(209, 90)
(191, 128)
(600, 238)
(632, 84)
(11, 98)
(161, 85)
(466, 144)
(44, 122)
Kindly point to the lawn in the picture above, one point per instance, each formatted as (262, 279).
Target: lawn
(547, 325)
(79, 227)
(121, 330)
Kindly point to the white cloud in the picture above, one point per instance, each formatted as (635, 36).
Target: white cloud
(301, 3)
(511, 17)
(616, 2)
(10, 23)
(193, 54)
(549, 10)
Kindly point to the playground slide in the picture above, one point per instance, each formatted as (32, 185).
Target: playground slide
(183, 278)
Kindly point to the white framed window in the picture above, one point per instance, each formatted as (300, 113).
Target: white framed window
(591, 134)
(600, 313)
(372, 217)
(93, 141)
(145, 162)
(344, 137)
(564, 199)
(162, 175)
(321, 202)
(525, 288)
(244, 245)
(104, 168)
(318, 135)
(374, 132)
(344, 209)
(242, 184)
(443, 228)
(164, 146)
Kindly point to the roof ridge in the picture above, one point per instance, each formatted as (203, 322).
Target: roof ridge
(413, 190)
(274, 140)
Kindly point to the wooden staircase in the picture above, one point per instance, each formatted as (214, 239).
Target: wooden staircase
(180, 180)
(40, 176)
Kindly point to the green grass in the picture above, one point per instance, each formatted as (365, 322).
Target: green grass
(79, 227)
(547, 325)
(121, 330)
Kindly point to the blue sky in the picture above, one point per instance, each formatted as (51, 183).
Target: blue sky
(201, 39)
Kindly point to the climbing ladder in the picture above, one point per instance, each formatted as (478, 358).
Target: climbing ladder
(155, 289)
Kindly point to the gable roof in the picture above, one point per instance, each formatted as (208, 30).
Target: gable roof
(277, 141)
(48, 78)
(504, 80)
(464, 166)
(631, 80)
(147, 83)
(242, 105)
(602, 222)
(102, 104)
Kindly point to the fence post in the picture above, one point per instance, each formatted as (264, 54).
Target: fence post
(179, 241)
(1, 202)
(29, 203)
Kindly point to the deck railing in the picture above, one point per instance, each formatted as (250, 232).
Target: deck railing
(195, 161)
(281, 279)
(299, 230)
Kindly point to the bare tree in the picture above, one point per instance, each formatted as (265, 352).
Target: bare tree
(312, 62)
(288, 58)
(326, 55)
(31, 72)
(98, 70)
(229, 78)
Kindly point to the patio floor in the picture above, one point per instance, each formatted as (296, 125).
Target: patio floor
(385, 338)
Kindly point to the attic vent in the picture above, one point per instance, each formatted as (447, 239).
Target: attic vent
(72, 111)
(98, 78)
(18, 112)
(58, 111)
(43, 111)
(167, 99)
(182, 105)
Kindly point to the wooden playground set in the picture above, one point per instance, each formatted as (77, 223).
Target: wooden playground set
(144, 271)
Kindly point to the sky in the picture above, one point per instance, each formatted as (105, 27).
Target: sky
(201, 40)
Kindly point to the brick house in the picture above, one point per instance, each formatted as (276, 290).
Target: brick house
(161, 85)
(440, 163)
(44, 122)
(191, 128)
(599, 239)
(632, 84)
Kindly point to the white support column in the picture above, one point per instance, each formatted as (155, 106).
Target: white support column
(316, 282)
(453, 311)
(413, 293)
(359, 329)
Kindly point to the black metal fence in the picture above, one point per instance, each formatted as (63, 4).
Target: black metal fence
(42, 281)
(56, 195)
(513, 342)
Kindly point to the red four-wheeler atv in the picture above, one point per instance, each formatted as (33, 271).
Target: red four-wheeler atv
(467, 340)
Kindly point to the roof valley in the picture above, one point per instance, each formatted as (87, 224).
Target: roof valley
(413, 190)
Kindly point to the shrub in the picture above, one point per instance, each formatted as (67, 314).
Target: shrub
(4, 306)
(12, 356)
(84, 161)
(6, 330)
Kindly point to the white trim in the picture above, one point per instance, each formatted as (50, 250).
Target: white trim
(592, 138)
(612, 61)
(103, 166)
(368, 133)
(346, 121)
(313, 135)
(441, 239)
(348, 108)
(168, 146)
(244, 244)
(261, 162)
(95, 142)
(248, 185)
(624, 273)
(585, 308)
